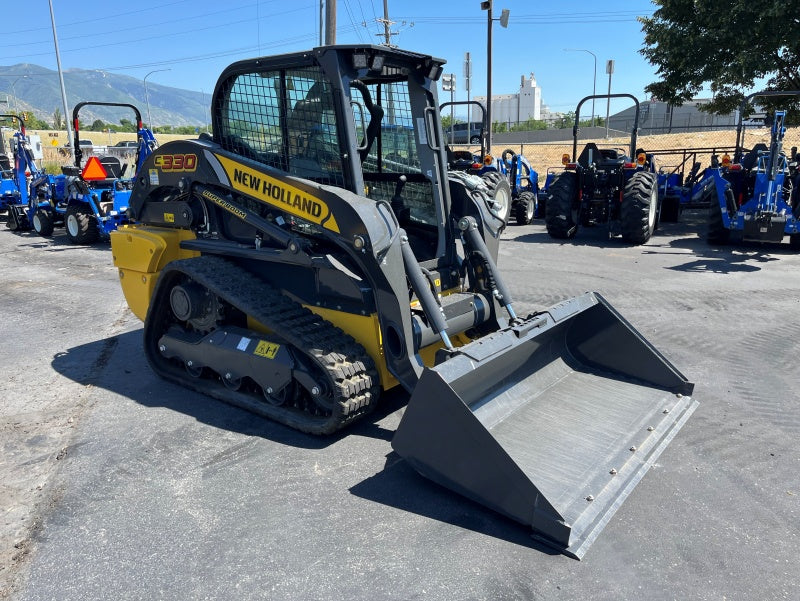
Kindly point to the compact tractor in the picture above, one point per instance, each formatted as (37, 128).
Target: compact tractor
(755, 198)
(612, 186)
(89, 200)
(524, 182)
(288, 266)
(681, 188)
(481, 166)
(9, 187)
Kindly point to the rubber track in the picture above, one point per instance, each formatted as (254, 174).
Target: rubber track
(352, 377)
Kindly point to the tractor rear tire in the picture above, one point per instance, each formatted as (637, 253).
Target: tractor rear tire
(499, 192)
(525, 208)
(670, 209)
(717, 233)
(639, 209)
(794, 241)
(81, 225)
(43, 223)
(563, 206)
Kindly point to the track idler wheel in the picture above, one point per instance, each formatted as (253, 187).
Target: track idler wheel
(194, 304)
(231, 382)
(281, 397)
(196, 371)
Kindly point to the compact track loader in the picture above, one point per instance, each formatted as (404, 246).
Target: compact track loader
(292, 266)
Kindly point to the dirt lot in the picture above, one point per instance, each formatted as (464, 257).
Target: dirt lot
(541, 156)
(544, 157)
(117, 485)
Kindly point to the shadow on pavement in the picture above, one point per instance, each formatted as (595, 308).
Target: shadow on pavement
(733, 258)
(596, 236)
(117, 364)
(399, 485)
(58, 242)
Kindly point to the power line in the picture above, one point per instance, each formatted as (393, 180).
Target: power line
(352, 20)
(153, 37)
(148, 26)
(160, 5)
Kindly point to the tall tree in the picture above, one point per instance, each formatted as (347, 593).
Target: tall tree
(732, 45)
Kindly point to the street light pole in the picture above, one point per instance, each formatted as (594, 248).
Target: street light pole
(594, 79)
(14, 91)
(70, 138)
(609, 70)
(147, 96)
(487, 6)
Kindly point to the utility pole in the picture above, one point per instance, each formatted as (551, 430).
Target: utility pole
(330, 22)
(387, 26)
(61, 81)
(467, 78)
(386, 23)
(609, 70)
(487, 6)
(489, 76)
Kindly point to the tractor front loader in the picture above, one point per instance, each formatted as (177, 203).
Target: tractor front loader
(287, 266)
(755, 198)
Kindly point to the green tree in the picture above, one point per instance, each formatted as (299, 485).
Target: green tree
(98, 125)
(31, 120)
(730, 45)
(529, 125)
(568, 120)
(58, 120)
(126, 125)
(447, 121)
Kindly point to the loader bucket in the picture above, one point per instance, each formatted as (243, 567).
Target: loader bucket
(552, 422)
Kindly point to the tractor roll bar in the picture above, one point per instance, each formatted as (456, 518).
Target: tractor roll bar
(77, 150)
(576, 129)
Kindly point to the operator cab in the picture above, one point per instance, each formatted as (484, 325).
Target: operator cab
(356, 117)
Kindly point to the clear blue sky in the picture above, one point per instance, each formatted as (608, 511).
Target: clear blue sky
(196, 39)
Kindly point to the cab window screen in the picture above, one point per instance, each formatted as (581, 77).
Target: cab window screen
(304, 142)
(395, 151)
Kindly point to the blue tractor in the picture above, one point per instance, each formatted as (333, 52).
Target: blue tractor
(756, 200)
(612, 186)
(484, 169)
(25, 185)
(524, 182)
(89, 201)
(681, 187)
(9, 188)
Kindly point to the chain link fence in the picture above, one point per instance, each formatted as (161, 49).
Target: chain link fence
(674, 151)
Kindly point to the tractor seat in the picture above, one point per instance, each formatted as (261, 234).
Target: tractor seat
(750, 160)
(606, 156)
(113, 167)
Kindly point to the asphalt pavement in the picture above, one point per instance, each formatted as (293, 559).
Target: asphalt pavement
(154, 492)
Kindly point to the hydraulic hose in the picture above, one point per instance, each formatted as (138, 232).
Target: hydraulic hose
(469, 227)
(421, 288)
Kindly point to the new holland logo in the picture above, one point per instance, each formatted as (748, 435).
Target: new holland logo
(279, 194)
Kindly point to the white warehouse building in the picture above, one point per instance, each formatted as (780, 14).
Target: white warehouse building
(515, 108)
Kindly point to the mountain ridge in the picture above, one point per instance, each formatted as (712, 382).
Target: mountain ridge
(36, 89)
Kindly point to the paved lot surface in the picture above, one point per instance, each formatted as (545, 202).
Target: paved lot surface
(117, 485)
